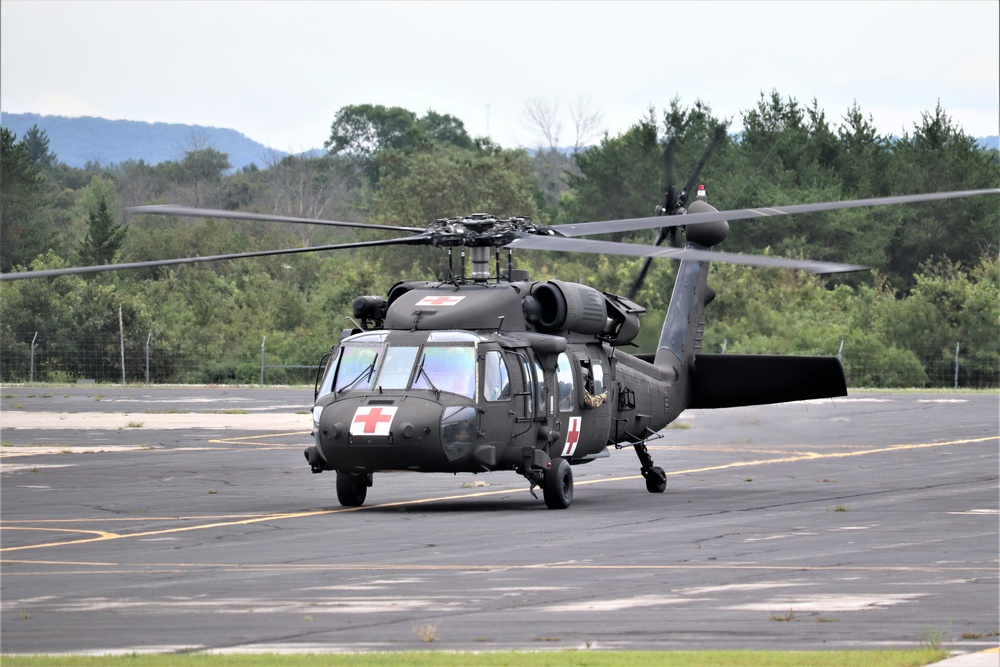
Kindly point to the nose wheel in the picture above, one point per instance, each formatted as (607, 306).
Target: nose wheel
(352, 488)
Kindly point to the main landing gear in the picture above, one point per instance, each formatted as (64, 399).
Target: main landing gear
(656, 478)
(557, 485)
(554, 476)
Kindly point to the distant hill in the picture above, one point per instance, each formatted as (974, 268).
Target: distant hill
(989, 142)
(76, 141)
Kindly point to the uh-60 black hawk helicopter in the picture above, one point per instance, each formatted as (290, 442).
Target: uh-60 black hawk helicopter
(489, 370)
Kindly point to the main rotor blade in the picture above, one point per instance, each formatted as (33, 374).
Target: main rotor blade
(634, 224)
(636, 250)
(188, 212)
(75, 270)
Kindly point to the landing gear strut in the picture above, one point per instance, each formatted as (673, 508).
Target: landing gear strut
(656, 478)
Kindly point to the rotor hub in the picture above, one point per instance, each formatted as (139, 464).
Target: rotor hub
(480, 230)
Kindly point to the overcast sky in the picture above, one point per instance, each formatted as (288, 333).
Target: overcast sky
(278, 72)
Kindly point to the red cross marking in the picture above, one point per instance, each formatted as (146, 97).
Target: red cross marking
(439, 300)
(371, 418)
(572, 437)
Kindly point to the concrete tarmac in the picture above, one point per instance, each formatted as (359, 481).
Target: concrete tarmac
(166, 519)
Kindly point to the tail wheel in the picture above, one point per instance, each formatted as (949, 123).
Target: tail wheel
(656, 479)
(352, 488)
(557, 486)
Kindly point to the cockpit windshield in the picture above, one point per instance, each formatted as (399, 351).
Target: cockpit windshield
(450, 368)
(357, 368)
(363, 365)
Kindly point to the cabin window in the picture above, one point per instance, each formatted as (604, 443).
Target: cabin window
(541, 391)
(564, 381)
(496, 377)
(598, 377)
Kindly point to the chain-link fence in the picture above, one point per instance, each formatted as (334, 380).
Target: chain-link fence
(36, 357)
(39, 357)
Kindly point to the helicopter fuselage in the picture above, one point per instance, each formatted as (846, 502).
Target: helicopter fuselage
(422, 394)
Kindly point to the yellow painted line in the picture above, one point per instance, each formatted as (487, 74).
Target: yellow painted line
(59, 562)
(804, 456)
(99, 533)
(104, 537)
(246, 439)
(120, 519)
(807, 456)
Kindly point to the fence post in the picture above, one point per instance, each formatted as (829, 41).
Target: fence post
(957, 346)
(121, 340)
(262, 360)
(31, 375)
(148, 337)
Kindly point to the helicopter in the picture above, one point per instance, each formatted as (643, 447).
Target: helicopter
(489, 370)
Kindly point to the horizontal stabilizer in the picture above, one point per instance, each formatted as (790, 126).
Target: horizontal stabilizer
(731, 380)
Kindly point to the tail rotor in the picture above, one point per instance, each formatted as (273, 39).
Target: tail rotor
(673, 202)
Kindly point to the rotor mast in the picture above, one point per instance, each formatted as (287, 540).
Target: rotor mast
(480, 234)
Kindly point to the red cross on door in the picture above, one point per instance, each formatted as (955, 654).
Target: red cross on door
(372, 420)
(572, 437)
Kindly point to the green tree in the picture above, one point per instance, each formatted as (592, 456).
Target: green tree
(202, 171)
(864, 155)
(104, 236)
(36, 142)
(76, 321)
(363, 131)
(24, 232)
(622, 177)
(940, 156)
(951, 305)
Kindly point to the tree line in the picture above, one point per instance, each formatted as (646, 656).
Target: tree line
(934, 283)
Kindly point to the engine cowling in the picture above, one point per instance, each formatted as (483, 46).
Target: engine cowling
(556, 306)
(562, 306)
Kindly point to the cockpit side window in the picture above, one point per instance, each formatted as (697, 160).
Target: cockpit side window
(326, 386)
(496, 377)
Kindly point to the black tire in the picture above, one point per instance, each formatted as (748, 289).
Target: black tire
(656, 480)
(557, 486)
(352, 488)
